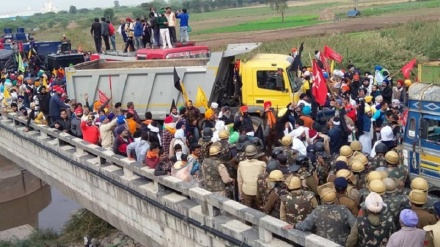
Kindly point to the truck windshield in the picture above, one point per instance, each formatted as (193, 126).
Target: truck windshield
(432, 130)
(292, 80)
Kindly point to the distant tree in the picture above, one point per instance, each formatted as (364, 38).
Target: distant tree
(51, 24)
(146, 6)
(109, 14)
(73, 9)
(97, 9)
(62, 12)
(138, 13)
(83, 10)
(279, 6)
(116, 4)
(38, 14)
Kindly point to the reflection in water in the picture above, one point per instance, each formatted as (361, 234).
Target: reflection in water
(25, 199)
(24, 210)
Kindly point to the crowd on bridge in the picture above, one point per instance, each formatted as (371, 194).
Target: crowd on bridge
(158, 29)
(340, 176)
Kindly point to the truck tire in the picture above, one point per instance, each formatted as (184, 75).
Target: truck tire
(256, 121)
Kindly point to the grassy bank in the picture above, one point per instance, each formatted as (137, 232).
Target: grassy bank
(83, 223)
(391, 47)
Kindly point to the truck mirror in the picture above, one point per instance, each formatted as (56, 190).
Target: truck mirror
(423, 129)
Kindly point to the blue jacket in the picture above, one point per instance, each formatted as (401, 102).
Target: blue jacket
(56, 105)
(138, 29)
(336, 141)
(184, 18)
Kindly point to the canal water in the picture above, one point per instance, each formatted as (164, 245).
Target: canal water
(27, 200)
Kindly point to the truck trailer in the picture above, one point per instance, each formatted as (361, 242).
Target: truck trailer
(149, 84)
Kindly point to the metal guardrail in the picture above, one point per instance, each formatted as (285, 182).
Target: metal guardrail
(268, 226)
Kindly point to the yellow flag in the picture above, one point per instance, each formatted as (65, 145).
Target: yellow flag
(45, 81)
(332, 66)
(201, 100)
(6, 94)
(185, 96)
(54, 72)
(20, 63)
(30, 53)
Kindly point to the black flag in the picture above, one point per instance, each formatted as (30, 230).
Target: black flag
(177, 81)
(173, 105)
(297, 63)
(259, 133)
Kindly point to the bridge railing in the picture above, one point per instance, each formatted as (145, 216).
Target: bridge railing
(211, 204)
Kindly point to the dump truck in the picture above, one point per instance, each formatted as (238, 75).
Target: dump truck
(421, 143)
(149, 84)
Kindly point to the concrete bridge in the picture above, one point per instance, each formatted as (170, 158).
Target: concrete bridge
(156, 211)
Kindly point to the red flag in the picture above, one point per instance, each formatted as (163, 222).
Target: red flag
(404, 117)
(319, 89)
(102, 97)
(406, 69)
(330, 53)
(324, 61)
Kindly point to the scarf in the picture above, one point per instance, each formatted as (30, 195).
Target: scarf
(170, 129)
(151, 155)
(271, 120)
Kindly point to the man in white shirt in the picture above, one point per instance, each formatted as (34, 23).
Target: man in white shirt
(171, 17)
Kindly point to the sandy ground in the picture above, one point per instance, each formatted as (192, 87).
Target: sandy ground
(344, 26)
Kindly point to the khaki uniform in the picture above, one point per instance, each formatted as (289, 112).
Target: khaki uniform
(348, 202)
(433, 234)
(264, 186)
(354, 194)
(425, 218)
(247, 176)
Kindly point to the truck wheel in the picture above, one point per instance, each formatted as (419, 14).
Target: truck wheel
(256, 121)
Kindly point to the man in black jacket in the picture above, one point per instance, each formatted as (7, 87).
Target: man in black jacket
(105, 33)
(95, 31)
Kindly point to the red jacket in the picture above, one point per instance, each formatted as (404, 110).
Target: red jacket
(90, 133)
(151, 160)
(111, 30)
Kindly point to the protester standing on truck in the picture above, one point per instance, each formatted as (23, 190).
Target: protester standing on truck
(95, 31)
(138, 32)
(111, 34)
(105, 32)
(164, 31)
(155, 33)
(171, 18)
(184, 19)
(129, 28)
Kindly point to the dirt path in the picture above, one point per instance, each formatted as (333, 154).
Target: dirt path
(344, 26)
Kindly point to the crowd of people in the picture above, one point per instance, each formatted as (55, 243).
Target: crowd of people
(156, 30)
(340, 177)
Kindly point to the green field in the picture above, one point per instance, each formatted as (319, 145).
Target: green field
(390, 47)
(268, 24)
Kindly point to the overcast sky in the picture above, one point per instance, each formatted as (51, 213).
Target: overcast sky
(37, 5)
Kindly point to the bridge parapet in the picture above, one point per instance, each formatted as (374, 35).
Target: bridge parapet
(154, 210)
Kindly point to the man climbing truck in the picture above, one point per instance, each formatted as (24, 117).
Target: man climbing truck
(151, 84)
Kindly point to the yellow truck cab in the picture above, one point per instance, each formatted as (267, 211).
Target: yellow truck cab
(267, 77)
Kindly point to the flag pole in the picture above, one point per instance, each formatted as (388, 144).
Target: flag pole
(111, 91)
(326, 81)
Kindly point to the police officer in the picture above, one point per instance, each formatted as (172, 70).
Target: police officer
(396, 171)
(306, 177)
(322, 163)
(332, 221)
(417, 199)
(341, 162)
(272, 206)
(346, 151)
(379, 160)
(392, 199)
(373, 228)
(205, 142)
(364, 192)
(264, 185)
(356, 146)
(298, 203)
(352, 192)
(215, 173)
(247, 174)
(282, 159)
(291, 154)
(341, 185)
(358, 169)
